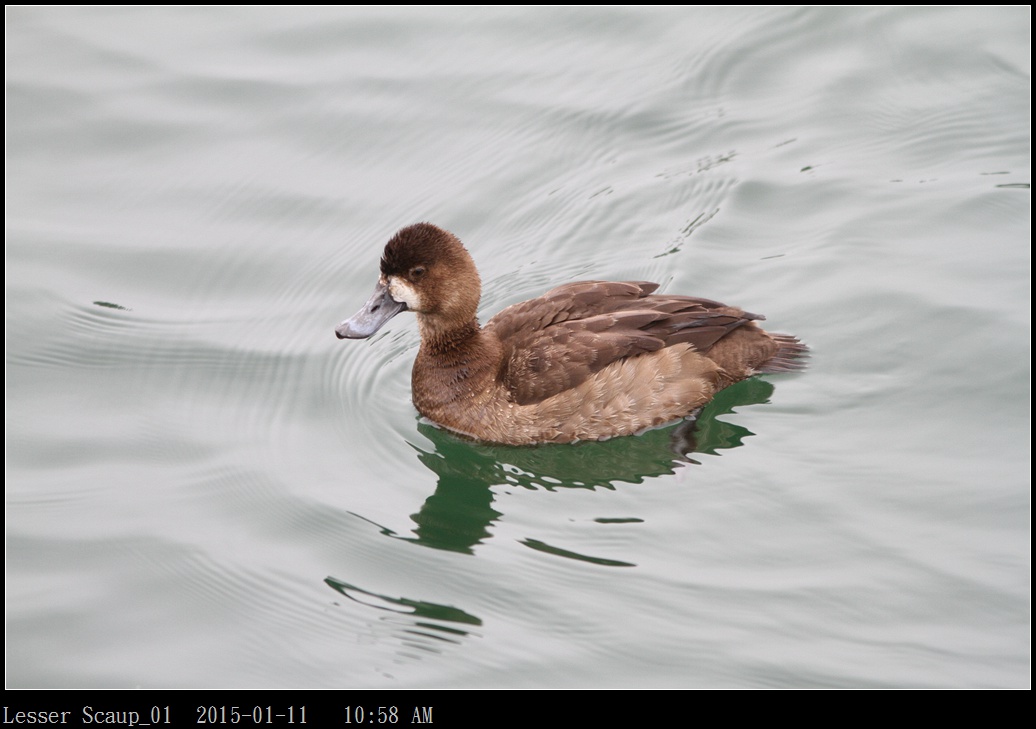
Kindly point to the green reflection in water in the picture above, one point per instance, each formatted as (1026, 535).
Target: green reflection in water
(416, 608)
(544, 547)
(460, 514)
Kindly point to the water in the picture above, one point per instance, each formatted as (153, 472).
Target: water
(206, 489)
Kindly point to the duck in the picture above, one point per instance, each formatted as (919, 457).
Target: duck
(588, 360)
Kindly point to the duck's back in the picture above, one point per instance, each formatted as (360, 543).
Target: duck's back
(556, 342)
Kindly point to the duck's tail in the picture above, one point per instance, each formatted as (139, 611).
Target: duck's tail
(791, 355)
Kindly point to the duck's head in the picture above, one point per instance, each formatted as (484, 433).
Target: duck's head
(424, 269)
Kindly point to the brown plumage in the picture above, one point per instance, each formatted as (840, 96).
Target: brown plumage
(585, 361)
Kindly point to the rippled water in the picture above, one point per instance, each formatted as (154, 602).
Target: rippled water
(206, 489)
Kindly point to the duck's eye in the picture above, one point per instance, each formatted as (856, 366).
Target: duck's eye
(417, 271)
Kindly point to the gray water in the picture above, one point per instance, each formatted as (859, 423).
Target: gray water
(204, 488)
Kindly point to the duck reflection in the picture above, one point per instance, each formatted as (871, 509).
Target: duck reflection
(420, 626)
(459, 515)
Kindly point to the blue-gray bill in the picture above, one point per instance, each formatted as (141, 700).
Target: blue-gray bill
(380, 307)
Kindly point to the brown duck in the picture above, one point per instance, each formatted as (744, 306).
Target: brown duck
(588, 360)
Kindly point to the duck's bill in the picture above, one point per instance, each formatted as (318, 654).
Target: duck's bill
(380, 307)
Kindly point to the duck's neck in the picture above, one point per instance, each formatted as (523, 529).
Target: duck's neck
(453, 369)
(440, 340)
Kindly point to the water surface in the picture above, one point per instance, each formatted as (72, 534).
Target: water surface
(206, 489)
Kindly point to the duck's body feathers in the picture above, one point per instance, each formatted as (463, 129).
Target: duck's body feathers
(553, 343)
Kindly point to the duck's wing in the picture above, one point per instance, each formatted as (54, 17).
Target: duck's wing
(557, 341)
